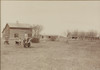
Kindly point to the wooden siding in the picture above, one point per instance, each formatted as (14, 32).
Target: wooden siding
(6, 31)
(20, 32)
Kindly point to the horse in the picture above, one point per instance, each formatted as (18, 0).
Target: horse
(18, 42)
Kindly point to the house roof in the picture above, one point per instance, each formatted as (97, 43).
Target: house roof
(17, 25)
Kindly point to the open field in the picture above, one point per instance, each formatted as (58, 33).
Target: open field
(77, 55)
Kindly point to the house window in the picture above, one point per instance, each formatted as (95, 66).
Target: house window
(16, 35)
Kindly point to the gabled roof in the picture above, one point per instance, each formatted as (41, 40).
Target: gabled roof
(17, 25)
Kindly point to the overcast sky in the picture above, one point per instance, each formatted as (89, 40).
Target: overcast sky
(55, 16)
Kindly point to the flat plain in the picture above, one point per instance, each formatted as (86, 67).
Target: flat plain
(52, 55)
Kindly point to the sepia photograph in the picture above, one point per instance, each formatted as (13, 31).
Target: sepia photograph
(50, 35)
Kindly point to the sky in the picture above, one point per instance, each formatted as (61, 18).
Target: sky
(55, 16)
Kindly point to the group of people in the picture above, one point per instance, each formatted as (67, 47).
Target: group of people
(26, 41)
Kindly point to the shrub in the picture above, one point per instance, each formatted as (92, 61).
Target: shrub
(35, 40)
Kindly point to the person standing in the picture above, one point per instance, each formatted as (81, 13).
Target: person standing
(26, 41)
(6, 40)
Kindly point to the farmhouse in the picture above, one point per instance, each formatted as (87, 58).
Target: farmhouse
(16, 30)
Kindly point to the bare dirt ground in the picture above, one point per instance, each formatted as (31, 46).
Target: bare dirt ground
(77, 55)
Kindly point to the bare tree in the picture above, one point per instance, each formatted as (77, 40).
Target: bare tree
(75, 33)
(67, 35)
(36, 30)
(81, 35)
(91, 34)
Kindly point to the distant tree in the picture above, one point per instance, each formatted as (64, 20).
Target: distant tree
(36, 29)
(67, 34)
(91, 34)
(75, 33)
(81, 35)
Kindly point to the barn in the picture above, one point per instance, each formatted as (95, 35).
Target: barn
(16, 30)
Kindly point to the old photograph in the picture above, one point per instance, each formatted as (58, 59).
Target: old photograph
(50, 35)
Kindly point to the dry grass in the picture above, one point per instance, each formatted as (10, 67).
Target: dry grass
(77, 55)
